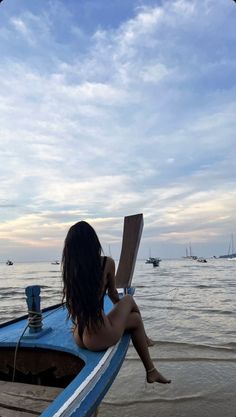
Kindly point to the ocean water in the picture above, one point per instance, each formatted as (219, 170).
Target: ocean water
(188, 308)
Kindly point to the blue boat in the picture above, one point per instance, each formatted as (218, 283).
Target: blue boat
(43, 371)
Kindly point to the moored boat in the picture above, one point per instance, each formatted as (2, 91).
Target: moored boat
(231, 251)
(153, 261)
(201, 259)
(189, 254)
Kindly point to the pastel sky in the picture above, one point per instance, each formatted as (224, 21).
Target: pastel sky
(110, 108)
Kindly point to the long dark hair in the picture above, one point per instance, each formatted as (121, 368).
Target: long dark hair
(82, 276)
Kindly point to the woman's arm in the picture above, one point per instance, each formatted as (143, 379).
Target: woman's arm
(111, 285)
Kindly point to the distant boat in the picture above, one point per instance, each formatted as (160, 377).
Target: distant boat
(153, 261)
(203, 260)
(189, 253)
(149, 260)
(156, 262)
(55, 263)
(9, 262)
(231, 251)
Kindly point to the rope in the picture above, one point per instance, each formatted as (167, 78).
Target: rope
(18, 344)
(33, 318)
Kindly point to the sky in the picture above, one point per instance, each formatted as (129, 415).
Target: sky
(112, 108)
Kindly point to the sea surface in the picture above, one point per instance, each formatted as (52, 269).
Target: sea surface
(189, 309)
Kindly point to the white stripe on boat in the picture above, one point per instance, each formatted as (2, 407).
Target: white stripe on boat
(109, 353)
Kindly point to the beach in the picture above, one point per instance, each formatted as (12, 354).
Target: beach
(188, 309)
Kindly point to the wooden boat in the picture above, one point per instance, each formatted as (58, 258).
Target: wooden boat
(42, 370)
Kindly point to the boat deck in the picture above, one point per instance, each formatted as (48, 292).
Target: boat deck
(25, 400)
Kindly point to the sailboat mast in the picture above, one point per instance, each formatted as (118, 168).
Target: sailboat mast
(232, 244)
(230, 250)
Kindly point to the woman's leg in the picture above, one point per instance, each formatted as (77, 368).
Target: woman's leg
(126, 316)
(149, 341)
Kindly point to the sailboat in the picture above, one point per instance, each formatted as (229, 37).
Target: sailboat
(231, 251)
(151, 260)
(189, 253)
(231, 255)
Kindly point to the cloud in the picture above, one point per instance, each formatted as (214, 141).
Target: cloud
(20, 26)
(131, 117)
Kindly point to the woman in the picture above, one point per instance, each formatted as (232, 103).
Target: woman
(87, 276)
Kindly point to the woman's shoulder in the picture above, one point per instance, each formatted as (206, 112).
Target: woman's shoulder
(108, 263)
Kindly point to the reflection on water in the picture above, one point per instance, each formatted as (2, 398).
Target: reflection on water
(188, 308)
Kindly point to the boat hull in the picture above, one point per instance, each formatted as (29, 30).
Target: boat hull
(92, 372)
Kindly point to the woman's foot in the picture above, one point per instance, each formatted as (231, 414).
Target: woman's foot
(150, 342)
(154, 376)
